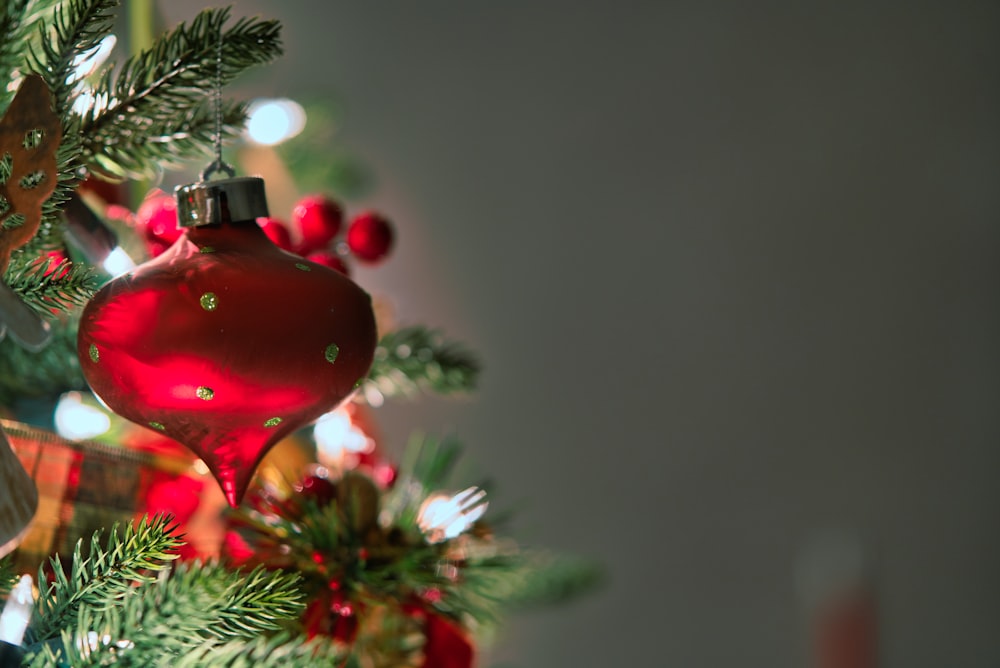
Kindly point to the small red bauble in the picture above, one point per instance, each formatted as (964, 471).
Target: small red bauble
(331, 260)
(370, 237)
(319, 220)
(225, 342)
(321, 490)
(277, 232)
(157, 216)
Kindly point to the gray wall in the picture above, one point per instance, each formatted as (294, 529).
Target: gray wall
(733, 268)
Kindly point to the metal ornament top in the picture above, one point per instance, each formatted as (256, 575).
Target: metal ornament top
(221, 201)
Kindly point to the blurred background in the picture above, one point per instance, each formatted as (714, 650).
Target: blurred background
(732, 269)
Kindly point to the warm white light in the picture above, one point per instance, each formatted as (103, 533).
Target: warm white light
(118, 262)
(442, 517)
(271, 122)
(87, 63)
(335, 435)
(75, 420)
(17, 613)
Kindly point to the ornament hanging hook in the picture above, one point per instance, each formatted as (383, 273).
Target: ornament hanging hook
(218, 165)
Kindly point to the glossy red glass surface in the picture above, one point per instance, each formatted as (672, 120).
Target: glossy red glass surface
(227, 344)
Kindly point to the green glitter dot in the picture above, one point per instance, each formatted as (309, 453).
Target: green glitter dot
(209, 301)
(157, 426)
(95, 354)
(273, 422)
(331, 353)
(206, 249)
(205, 393)
(303, 267)
(359, 382)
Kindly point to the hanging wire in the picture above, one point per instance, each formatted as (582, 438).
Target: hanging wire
(218, 165)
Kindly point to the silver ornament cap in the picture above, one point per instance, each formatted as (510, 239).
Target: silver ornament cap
(221, 201)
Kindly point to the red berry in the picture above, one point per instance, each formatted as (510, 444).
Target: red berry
(158, 218)
(277, 232)
(370, 237)
(331, 260)
(317, 488)
(319, 219)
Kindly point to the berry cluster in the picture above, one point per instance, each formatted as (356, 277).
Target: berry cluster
(315, 224)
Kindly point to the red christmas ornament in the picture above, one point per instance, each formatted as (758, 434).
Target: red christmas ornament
(319, 219)
(277, 232)
(447, 645)
(225, 342)
(318, 488)
(157, 217)
(331, 260)
(370, 237)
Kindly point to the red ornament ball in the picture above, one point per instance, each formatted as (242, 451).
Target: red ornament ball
(157, 217)
(331, 260)
(227, 344)
(318, 488)
(319, 220)
(370, 237)
(277, 232)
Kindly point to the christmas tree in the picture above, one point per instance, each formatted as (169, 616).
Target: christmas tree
(238, 333)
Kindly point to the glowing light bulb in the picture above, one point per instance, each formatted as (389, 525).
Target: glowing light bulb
(118, 262)
(442, 517)
(336, 435)
(271, 122)
(75, 420)
(17, 613)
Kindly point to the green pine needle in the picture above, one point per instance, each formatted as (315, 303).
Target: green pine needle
(45, 287)
(199, 615)
(8, 576)
(281, 651)
(46, 374)
(161, 92)
(14, 31)
(416, 358)
(106, 576)
(75, 27)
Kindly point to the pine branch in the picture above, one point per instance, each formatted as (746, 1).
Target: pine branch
(169, 143)
(281, 651)
(13, 38)
(161, 89)
(197, 611)
(8, 576)
(105, 577)
(45, 287)
(75, 27)
(72, 28)
(416, 358)
(45, 374)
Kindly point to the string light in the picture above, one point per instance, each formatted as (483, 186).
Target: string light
(75, 420)
(272, 121)
(118, 262)
(442, 517)
(14, 622)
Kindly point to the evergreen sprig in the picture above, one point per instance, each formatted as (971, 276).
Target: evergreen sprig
(8, 576)
(195, 609)
(27, 375)
(161, 93)
(105, 577)
(46, 287)
(13, 37)
(75, 28)
(281, 651)
(71, 29)
(416, 358)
